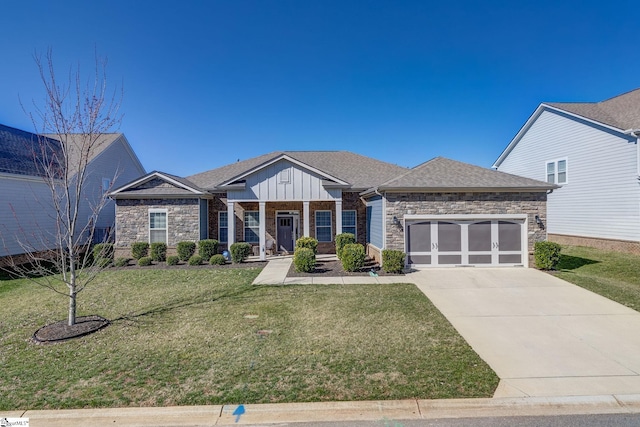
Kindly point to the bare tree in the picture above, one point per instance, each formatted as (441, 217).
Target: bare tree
(71, 124)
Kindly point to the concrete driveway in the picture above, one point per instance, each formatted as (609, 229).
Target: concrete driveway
(541, 335)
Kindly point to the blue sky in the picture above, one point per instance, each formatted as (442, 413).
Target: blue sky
(207, 83)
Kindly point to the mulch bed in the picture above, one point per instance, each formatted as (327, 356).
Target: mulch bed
(182, 265)
(61, 331)
(334, 269)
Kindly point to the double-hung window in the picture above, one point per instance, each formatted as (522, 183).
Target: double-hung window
(557, 171)
(323, 226)
(223, 226)
(349, 222)
(158, 225)
(252, 226)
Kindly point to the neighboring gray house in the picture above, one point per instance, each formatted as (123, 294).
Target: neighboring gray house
(27, 217)
(442, 212)
(592, 151)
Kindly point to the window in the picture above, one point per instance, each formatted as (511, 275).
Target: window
(223, 227)
(323, 226)
(106, 185)
(252, 226)
(349, 222)
(557, 171)
(158, 225)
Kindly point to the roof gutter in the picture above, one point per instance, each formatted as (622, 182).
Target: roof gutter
(636, 134)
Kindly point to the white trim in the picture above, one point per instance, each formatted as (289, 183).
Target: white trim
(262, 233)
(151, 176)
(227, 227)
(29, 178)
(555, 170)
(231, 224)
(295, 217)
(315, 214)
(306, 218)
(166, 230)
(244, 225)
(355, 211)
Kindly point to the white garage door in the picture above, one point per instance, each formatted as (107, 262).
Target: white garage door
(479, 242)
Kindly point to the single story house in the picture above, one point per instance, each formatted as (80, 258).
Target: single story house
(441, 213)
(591, 150)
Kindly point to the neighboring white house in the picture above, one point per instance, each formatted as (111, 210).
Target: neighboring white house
(27, 217)
(592, 151)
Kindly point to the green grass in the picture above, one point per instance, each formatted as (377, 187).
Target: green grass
(613, 275)
(180, 337)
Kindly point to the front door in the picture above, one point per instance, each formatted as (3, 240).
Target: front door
(285, 233)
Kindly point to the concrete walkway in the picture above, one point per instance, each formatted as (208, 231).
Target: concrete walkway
(541, 335)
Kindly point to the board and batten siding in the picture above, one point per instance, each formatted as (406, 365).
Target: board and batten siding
(26, 215)
(374, 222)
(602, 196)
(284, 181)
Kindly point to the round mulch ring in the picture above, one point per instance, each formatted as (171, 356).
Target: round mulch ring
(61, 331)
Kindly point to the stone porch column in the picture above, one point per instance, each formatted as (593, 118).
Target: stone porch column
(231, 224)
(263, 229)
(305, 218)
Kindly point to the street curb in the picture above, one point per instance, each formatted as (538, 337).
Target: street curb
(384, 410)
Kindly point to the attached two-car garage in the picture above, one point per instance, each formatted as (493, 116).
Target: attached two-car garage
(466, 240)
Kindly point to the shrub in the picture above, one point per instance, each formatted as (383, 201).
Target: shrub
(304, 260)
(353, 257)
(392, 261)
(103, 250)
(195, 260)
(307, 242)
(121, 262)
(158, 251)
(144, 261)
(547, 255)
(207, 248)
(173, 260)
(239, 252)
(217, 260)
(103, 262)
(139, 249)
(186, 250)
(342, 240)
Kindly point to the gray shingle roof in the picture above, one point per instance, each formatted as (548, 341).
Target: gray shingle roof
(18, 149)
(622, 111)
(359, 171)
(449, 175)
(155, 184)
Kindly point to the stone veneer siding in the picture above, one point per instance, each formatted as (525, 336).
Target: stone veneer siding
(132, 219)
(401, 204)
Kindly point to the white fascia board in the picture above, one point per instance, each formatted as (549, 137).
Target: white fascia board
(464, 216)
(151, 176)
(277, 159)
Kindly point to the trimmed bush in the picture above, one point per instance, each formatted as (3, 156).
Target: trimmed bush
(103, 250)
(342, 240)
(353, 257)
(547, 255)
(144, 261)
(186, 250)
(121, 262)
(392, 261)
(304, 260)
(159, 251)
(173, 260)
(307, 242)
(103, 262)
(207, 248)
(139, 249)
(217, 260)
(195, 260)
(239, 252)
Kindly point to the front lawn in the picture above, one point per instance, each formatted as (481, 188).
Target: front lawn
(614, 275)
(206, 336)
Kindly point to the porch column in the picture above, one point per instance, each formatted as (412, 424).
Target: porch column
(338, 217)
(305, 218)
(263, 229)
(231, 225)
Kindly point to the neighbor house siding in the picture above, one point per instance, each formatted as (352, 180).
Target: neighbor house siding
(25, 215)
(601, 198)
(374, 217)
(269, 184)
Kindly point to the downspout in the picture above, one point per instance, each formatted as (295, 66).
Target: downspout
(636, 134)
